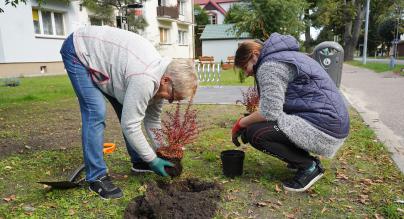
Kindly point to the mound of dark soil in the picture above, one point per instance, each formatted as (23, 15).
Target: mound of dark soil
(189, 198)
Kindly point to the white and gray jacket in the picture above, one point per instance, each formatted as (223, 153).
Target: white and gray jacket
(126, 66)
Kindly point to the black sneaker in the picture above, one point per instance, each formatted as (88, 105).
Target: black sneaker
(141, 167)
(291, 167)
(304, 179)
(104, 187)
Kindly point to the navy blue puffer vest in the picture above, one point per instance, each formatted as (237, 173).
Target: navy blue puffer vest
(312, 95)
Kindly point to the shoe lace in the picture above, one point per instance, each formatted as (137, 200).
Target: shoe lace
(107, 183)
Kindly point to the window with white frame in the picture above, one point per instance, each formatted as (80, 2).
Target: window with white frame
(164, 35)
(182, 40)
(181, 7)
(48, 23)
(212, 19)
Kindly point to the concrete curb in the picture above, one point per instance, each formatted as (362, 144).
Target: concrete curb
(392, 141)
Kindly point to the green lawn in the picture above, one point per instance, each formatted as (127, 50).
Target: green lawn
(377, 67)
(34, 89)
(360, 182)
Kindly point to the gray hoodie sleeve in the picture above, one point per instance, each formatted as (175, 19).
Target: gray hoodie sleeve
(152, 120)
(273, 78)
(140, 90)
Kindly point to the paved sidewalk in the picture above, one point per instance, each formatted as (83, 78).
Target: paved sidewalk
(379, 100)
(219, 95)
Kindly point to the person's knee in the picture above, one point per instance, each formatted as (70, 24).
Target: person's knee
(251, 135)
(99, 112)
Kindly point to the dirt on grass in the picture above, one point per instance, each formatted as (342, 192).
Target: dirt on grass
(42, 126)
(190, 198)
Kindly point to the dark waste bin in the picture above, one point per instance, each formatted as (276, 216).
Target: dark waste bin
(330, 55)
(232, 162)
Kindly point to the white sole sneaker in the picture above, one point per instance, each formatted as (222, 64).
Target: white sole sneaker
(140, 170)
(306, 187)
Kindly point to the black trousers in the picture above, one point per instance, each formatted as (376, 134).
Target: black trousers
(268, 138)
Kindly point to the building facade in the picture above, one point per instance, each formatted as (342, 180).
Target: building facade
(31, 36)
(220, 41)
(216, 9)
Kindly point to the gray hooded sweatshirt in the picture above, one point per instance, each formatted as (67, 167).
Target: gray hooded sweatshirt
(126, 66)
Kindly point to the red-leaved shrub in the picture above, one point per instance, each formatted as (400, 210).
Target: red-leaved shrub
(177, 130)
(250, 99)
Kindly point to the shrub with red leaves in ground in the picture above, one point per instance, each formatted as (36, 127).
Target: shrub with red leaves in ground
(250, 99)
(177, 130)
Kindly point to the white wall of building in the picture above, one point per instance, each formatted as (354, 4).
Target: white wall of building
(18, 40)
(220, 49)
(19, 43)
(184, 23)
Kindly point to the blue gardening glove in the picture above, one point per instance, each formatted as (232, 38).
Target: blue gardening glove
(158, 164)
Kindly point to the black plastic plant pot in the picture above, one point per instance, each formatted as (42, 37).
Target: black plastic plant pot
(232, 163)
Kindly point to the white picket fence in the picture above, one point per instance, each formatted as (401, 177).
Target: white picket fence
(208, 72)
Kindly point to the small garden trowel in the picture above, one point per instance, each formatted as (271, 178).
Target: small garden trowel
(76, 179)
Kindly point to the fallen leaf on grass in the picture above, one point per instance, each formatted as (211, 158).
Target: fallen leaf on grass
(142, 188)
(379, 181)
(52, 205)
(400, 210)
(363, 199)
(71, 212)
(9, 198)
(332, 199)
(29, 213)
(250, 211)
(378, 216)
(277, 189)
(236, 213)
(323, 210)
(341, 176)
(261, 204)
(8, 168)
(231, 197)
(367, 181)
(290, 216)
(348, 206)
(279, 203)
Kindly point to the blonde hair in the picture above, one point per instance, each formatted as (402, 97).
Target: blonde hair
(245, 52)
(182, 74)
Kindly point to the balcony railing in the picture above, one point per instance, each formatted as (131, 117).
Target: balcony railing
(165, 11)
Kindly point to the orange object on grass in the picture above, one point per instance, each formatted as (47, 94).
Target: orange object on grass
(109, 148)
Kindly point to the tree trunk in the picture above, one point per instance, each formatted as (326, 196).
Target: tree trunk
(352, 28)
(307, 23)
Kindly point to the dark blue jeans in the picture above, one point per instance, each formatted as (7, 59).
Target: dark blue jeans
(93, 111)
